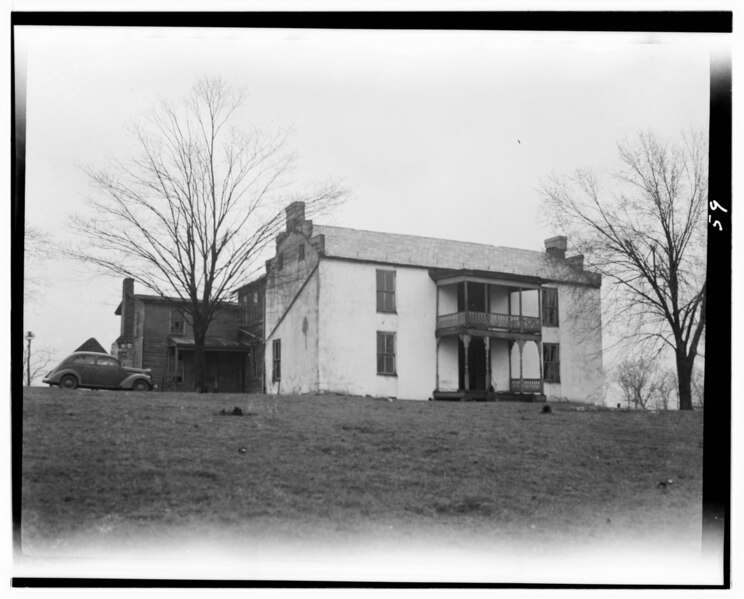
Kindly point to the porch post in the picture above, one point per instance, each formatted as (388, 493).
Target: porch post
(466, 299)
(540, 362)
(539, 308)
(521, 322)
(175, 378)
(439, 339)
(466, 344)
(521, 351)
(510, 344)
(487, 347)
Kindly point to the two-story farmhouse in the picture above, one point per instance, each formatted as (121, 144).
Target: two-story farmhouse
(155, 334)
(365, 313)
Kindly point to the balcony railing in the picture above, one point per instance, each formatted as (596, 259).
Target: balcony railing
(525, 386)
(489, 321)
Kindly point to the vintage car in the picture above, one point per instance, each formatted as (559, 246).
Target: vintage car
(97, 371)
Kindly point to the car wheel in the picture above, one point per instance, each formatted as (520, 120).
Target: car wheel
(68, 381)
(141, 386)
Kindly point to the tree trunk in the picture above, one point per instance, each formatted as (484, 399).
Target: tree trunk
(200, 358)
(684, 376)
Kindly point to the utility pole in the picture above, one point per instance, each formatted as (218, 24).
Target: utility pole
(29, 337)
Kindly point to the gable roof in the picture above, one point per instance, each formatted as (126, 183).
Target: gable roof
(92, 345)
(444, 254)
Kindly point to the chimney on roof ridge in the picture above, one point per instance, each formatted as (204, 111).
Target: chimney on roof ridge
(295, 215)
(127, 308)
(576, 261)
(556, 246)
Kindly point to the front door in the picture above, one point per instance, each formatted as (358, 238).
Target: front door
(476, 364)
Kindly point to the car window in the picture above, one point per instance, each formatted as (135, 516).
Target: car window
(84, 360)
(107, 362)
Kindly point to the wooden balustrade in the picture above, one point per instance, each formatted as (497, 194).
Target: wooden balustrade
(526, 386)
(489, 321)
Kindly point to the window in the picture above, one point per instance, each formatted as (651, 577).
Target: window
(280, 261)
(301, 253)
(88, 360)
(276, 355)
(108, 362)
(176, 322)
(386, 291)
(385, 353)
(550, 307)
(551, 363)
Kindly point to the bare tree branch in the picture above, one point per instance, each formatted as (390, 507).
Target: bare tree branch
(647, 239)
(190, 215)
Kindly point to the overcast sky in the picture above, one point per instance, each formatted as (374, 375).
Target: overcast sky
(444, 134)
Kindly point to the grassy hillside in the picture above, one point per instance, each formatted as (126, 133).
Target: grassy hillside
(120, 472)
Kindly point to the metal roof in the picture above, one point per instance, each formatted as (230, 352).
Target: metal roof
(428, 252)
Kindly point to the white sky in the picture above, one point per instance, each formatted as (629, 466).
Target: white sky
(421, 126)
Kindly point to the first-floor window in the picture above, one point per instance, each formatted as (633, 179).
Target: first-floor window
(551, 363)
(385, 353)
(276, 353)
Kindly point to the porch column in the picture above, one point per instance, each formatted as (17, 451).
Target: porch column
(466, 343)
(439, 340)
(540, 362)
(520, 342)
(539, 309)
(487, 347)
(521, 322)
(175, 378)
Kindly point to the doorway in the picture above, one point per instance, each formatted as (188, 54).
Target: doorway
(476, 364)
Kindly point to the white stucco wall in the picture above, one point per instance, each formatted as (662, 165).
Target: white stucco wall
(298, 332)
(447, 299)
(349, 321)
(448, 364)
(529, 302)
(500, 364)
(499, 299)
(530, 360)
(580, 340)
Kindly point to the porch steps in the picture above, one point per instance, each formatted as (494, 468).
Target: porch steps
(476, 395)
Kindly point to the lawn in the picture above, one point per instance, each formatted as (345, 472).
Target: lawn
(130, 473)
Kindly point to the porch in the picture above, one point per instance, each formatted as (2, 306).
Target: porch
(225, 365)
(482, 395)
(489, 338)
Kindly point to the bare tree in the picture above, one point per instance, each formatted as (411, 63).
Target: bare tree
(190, 215)
(636, 379)
(665, 389)
(36, 249)
(40, 360)
(698, 388)
(647, 238)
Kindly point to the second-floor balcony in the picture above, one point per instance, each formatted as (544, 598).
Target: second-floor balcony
(488, 321)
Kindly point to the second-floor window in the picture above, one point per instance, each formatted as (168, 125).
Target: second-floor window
(386, 291)
(550, 307)
(551, 363)
(176, 322)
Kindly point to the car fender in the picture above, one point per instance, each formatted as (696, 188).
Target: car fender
(128, 382)
(57, 376)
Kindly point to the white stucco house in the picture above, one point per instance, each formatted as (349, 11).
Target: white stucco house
(366, 313)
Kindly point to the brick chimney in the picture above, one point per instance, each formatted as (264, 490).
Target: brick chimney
(576, 261)
(556, 246)
(127, 309)
(295, 215)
